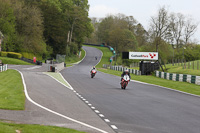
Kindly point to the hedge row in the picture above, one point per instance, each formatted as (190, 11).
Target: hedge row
(11, 54)
(30, 56)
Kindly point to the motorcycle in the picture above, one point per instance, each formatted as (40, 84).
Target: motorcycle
(125, 81)
(93, 72)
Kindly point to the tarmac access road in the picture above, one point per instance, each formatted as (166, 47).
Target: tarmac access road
(50, 103)
(141, 108)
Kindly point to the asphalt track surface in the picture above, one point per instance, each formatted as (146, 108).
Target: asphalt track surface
(50, 103)
(141, 108)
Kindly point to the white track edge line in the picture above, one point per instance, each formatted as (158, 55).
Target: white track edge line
(27, 96)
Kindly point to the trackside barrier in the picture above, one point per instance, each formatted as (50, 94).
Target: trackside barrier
(3, 67)
(120, 68)
(56, 67)
(178, 77)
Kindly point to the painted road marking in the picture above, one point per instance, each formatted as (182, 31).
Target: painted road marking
(101, 115)
(114, 127)
(106, 120)
(97, 111)
(56, 113)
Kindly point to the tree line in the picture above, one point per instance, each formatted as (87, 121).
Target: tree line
(45, 27)
(169, 33)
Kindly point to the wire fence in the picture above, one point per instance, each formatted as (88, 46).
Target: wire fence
(60, 58)
(195, 65)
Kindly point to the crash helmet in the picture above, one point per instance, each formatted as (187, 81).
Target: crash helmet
(126, 71)
(93, 67)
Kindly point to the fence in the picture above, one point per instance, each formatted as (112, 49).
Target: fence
(3, 67)
(195, 65)
(120, 68)
(179, 77)
(135, 64)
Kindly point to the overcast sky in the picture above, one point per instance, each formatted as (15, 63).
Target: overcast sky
(142, 10)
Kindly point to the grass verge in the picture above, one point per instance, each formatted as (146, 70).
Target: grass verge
(179, 70)
(75, 58)
(13, 61)
(25, 128)
(11, 90)
(58, 77)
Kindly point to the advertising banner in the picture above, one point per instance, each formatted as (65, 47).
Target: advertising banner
(143, 55)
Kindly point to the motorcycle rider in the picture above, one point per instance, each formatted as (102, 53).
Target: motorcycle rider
(126, 72)
(93, 68)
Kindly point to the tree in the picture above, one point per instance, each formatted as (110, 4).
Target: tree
(177, 24)
(7, 25)
(132, 22)
(122, 40)
(141, 35)
(105, 26)
(159, 26)
(190, 29)
(29, 27)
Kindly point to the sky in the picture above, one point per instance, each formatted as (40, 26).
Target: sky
(143, 10)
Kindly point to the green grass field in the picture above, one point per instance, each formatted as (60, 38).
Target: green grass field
(11, 90)
(25, 128)
(74, 58)
(13, 61)
(179, 69)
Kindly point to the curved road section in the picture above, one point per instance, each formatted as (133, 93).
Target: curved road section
(141, 108)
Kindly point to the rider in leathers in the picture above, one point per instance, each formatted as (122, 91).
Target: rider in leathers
(124, 73)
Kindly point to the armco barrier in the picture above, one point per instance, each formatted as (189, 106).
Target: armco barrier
(179, 77)
(120, 68)
(3, 67)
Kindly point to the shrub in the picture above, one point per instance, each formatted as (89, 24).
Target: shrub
(14, 55)
(4, 54)
(31, 55)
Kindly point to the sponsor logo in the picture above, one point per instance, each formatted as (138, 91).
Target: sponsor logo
(152, 55)
(144, 55)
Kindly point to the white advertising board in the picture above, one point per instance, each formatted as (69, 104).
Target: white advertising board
(143, 55)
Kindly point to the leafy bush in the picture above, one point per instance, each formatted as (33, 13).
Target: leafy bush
(14, 55)
(4, 54)
(31, 55)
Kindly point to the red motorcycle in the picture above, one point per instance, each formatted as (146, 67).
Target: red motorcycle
(93, 72)
(125, 81)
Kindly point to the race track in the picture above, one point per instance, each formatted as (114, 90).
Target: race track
(141, 108)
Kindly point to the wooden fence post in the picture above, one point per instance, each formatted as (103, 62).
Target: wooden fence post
(193, 65)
